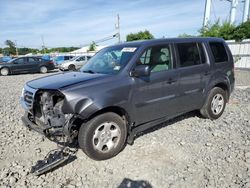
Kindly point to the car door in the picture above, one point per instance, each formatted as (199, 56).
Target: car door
(18, 65)
(194, 70)
(155, 96)
(32, 64)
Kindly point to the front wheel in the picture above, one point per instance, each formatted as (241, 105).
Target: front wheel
(4, 71)
(103, 137)
(215, 104)
(72, 67)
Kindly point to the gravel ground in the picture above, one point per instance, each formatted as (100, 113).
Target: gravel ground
(185, 152)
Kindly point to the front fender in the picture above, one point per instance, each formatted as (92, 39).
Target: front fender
(86, 99)
(81, 106)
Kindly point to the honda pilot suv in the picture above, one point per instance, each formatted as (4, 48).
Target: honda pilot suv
(128, 88)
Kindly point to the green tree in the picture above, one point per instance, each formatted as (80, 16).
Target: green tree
(11, 47)
(185, 35)
(92, 47)
(225, 30)
(242, 31)
(141, 35)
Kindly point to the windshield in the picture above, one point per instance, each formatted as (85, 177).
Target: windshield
(109, 60)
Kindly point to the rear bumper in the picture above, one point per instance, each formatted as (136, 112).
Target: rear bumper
(51, 67)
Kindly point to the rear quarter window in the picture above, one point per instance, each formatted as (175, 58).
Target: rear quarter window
(219, 52)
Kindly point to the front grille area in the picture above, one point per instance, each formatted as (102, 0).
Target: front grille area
(28, 98)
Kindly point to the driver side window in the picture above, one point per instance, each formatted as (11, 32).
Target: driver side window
(158, 58)
(19, 61)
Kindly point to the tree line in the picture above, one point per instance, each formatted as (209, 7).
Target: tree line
(12, 49)
(223, 30)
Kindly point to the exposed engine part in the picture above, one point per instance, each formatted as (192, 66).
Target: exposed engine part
(59, 127)
(52, 113)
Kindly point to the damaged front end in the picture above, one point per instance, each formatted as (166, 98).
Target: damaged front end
(44, 114)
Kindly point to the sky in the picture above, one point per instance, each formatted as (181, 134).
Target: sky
(79, 22)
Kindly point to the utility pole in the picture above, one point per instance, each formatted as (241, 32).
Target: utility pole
(16, 47)
(234, 4)
(43, 45)
(207, 13)
(117, 26)
(246, 11)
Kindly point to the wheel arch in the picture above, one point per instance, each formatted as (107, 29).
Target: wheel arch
(6, 68)
(43, 65)
(115, 109)
(223, 86)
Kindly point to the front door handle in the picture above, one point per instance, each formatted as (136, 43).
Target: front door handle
(207, 73)
(170, 81)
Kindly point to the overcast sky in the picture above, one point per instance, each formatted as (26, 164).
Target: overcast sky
(78, 22)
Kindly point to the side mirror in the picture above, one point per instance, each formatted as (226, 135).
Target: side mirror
(140, 70)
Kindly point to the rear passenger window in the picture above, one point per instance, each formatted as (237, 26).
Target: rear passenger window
(219, 52)
(190, 54)
(81, 59)
(32, 60)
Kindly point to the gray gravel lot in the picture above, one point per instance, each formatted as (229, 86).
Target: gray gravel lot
(185, 152)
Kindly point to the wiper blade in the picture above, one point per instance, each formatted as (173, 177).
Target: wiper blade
(89, 71)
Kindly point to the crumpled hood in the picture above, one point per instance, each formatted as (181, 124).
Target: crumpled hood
(62, 80)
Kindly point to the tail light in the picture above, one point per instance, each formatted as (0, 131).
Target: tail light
(51, 62)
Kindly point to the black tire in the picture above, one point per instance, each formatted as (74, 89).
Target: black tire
(43, 69)
(88, 143)
(72, 67)
(207, 109)
(4, 71)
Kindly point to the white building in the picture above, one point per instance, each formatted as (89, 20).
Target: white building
(85, 51)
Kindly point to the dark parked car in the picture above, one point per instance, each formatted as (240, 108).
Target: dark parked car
(127, 88)
(26, 65)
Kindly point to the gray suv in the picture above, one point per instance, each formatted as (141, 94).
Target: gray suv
(130, 87)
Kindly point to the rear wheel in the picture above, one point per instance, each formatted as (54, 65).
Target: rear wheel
(4, 71)
(103, 137)
(215, 104)
(72, 67)
(43, 69)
